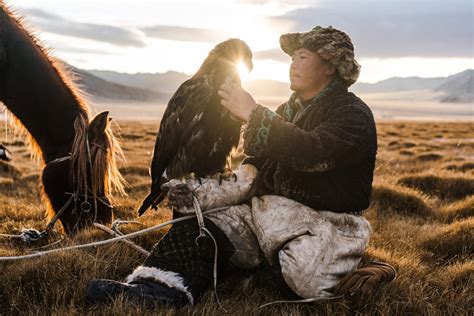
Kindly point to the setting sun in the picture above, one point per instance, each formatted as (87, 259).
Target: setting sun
(243, 71)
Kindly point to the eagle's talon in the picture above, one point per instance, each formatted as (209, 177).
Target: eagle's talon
(227, 174)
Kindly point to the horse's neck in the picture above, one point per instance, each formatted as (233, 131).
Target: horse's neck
(35, 92)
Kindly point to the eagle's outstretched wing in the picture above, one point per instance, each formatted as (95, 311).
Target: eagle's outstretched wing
(182, 114)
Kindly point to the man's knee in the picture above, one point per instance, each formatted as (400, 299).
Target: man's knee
(236, 224)
(311, 266)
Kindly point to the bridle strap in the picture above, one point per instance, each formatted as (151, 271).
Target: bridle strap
(61, 159)
(74, 196)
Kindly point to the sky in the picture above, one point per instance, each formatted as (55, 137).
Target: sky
(425, 38)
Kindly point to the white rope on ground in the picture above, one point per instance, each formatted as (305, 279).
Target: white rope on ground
(116, 225)
(27, 235)
(30, 235)
(305, 300)
(11, 236)
(112, 240)
(113, 233)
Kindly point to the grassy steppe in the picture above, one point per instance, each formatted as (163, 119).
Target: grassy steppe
(421, 213)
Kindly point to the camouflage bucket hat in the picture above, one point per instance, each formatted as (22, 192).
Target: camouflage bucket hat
(331, 44)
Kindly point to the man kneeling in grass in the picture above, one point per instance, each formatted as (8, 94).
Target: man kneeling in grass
(298, 199)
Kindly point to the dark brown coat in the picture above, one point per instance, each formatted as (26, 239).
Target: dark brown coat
(322, 156)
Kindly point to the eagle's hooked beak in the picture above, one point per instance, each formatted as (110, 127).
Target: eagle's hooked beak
(248, 64)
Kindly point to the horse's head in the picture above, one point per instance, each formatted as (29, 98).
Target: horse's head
(103, 151)
(88, 177)
(79, 155)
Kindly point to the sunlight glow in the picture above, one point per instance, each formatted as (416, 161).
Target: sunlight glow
(243, 71)
(255, 22)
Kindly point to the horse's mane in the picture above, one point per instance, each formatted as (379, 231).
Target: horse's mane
(105, 174)
(58, 67)
(66, 76)
(105, 164)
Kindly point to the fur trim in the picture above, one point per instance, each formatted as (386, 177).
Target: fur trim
(168, 278)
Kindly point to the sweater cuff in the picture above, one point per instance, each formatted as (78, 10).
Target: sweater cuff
(257, 130)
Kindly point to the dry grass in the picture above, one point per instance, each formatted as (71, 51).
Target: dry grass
(444, 187)
(421, 213)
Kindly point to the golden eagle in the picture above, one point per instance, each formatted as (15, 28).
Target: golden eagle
(196, 132)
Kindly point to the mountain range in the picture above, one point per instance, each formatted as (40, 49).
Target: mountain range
(458, 88)
(103, 89)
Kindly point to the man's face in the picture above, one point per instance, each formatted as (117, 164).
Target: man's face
(309, 71)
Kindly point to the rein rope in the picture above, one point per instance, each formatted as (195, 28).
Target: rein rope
(30, 235)
(111, 240)
(119, 236)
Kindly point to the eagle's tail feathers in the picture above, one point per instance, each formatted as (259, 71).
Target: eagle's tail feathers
(153, 199)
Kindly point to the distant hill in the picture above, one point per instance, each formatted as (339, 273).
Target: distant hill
(396, 84)
(165, 83)
(458, 88)
(168, 82)
(160, 86)
(103, 89)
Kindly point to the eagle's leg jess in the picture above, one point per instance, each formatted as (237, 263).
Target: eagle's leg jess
(227, 174)
(194, 176)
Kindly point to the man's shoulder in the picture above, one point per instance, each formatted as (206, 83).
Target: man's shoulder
(351, 102)
(349, 98)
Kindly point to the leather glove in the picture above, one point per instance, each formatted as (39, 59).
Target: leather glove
(180, 196)
(210, 193)
(364, 279)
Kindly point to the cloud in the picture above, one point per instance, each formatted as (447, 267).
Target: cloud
(72, 49)
(416, 28)
(55, 24)
(277, 2)
(275, 54)
(256, 2)
(185, 34)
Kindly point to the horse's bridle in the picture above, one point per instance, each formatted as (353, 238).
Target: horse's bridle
(85, 206)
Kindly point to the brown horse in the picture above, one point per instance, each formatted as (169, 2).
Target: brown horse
(78, 155)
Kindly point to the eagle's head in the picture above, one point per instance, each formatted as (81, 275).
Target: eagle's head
(227, 55)
(234, 51)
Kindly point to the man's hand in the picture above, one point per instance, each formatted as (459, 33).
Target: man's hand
(364, 279)
(238, 101)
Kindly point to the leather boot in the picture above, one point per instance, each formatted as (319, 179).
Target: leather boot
(144, 292)
(365, 279)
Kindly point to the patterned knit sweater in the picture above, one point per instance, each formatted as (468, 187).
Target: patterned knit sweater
(320, 153)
